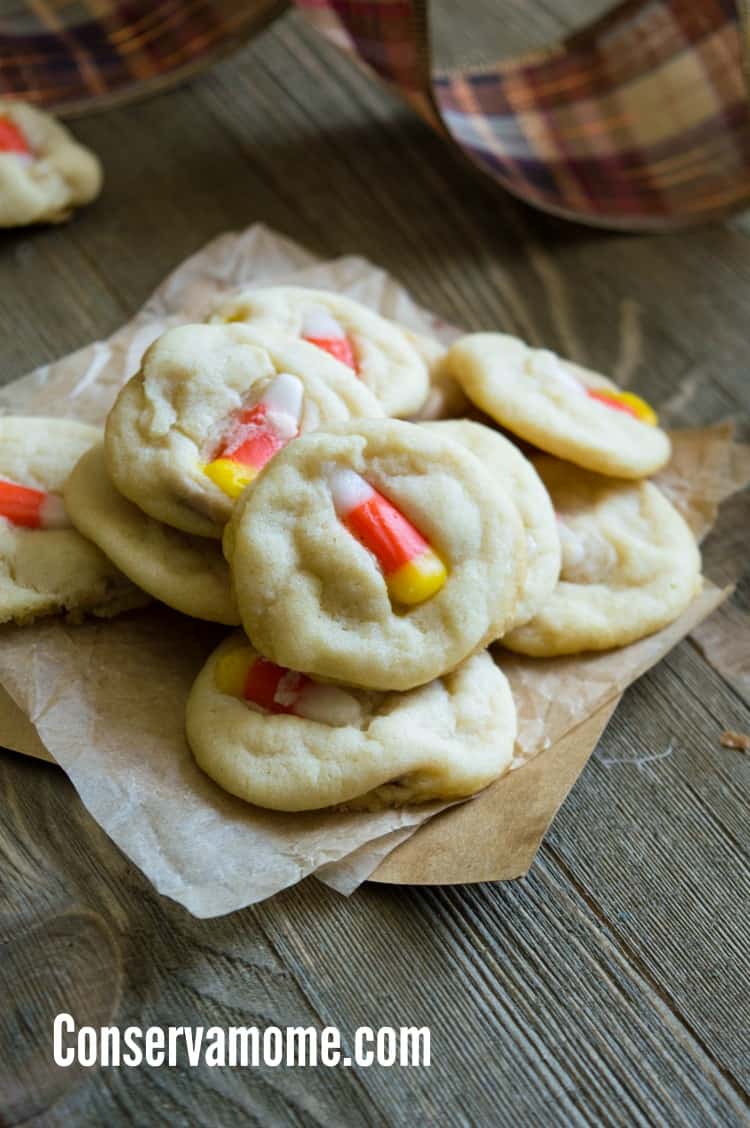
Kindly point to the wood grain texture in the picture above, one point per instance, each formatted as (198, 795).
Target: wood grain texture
(609, 986)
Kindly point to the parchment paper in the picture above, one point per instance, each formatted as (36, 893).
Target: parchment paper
(106, 700)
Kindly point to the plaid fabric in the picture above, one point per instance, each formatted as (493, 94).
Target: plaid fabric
(70, 54)
(639, 121)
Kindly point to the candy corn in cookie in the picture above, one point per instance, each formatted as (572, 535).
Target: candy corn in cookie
(210, 407)
(375, 553)
(283, 740)
(44, 172)
(390, 361)
(630, 565)
(46, 566)
(186, 572)
(558, 406)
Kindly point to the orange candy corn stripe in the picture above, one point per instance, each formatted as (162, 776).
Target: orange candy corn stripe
(323, 331)
(627, 402)
(243, 674)
(412, 569)
(257, 434)
(272, 687)
(12, 139)
(29, 508)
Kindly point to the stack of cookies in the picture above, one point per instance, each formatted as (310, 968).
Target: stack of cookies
(259, 471)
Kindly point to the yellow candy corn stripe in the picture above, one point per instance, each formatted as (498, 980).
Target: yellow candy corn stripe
(231, 671)
(230, 476)
(417, 580)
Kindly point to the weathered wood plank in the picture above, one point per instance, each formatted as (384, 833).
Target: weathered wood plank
(524, 971)
(607, 987)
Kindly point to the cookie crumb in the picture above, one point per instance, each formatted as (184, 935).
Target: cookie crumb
(738, 740)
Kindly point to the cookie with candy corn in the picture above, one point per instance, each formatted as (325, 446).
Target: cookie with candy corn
(186, 572)
(44, 172)
(376, 553)
(630, 565)
(46, 566)
(383, 356)
(211, 405)
(558, 406)
(511, 470)
(283, 740)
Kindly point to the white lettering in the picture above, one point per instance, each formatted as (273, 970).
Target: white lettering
(63, 1022)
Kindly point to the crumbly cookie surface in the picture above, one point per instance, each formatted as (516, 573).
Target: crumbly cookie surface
(444, 740)
(390, 360)
(186, 572)
(52, 570)
(169, 419)
(44, 172)
(311, 595)
(552, 403)
(630, 565)
(513, 472)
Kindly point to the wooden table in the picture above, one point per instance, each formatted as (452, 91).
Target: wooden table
(608, 986)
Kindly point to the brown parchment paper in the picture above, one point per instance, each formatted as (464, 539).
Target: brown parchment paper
(106, 700)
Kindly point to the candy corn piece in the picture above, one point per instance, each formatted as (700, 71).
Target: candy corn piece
(257, 434)
(31, 509)
(12, 139)
(242, 673)
(628, 402)
(412, 569)
(320, 328)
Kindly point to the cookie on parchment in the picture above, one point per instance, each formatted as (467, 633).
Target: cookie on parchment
(46, 566)
(630, 565)
(209, 407)
(512, 471)
(186, 572)
(563, 409)
(375, 553)
(391, 361)
(282, 740)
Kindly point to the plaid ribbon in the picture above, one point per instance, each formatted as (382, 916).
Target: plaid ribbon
(640, 121)
(74, 55)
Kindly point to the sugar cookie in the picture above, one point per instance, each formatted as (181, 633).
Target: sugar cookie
(630, 565)
(187, 573)
(512, 471)
(210, 405)
(281, 740)
(46, 566)
(44, 172)
(558, 406)
(385, 356)
(376, 553)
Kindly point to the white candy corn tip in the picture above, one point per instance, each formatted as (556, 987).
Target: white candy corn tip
(283, 402)
(52, 513)
(288, 689)
(318, 322)
(348, 489)
(328, 705)
(284, 395)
